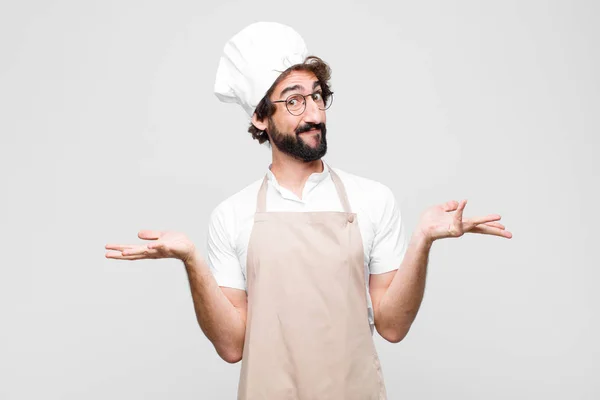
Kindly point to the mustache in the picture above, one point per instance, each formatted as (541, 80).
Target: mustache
(308, 127)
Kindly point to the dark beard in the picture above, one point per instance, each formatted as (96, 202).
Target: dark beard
(295, 146)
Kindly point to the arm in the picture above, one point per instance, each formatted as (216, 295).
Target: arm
(221, 312)
(397, 295)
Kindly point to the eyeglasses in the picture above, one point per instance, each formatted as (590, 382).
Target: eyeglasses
(296, 103)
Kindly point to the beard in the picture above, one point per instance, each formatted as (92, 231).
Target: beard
(293, 144)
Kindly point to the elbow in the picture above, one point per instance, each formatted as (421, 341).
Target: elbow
(394, 334)
(230, 353)
(230, 356)
(394, 337)
(233, 358)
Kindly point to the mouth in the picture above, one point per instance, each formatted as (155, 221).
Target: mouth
(312, 131)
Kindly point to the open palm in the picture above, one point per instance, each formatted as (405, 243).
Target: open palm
(164, 244)
(446, 220)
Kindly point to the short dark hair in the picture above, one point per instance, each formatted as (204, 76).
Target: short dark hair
(265, 109)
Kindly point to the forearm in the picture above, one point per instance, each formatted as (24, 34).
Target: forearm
(399, 305)
(218, 318)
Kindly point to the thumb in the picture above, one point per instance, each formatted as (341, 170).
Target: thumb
(149, 234)
(459, 210)
(450, 205)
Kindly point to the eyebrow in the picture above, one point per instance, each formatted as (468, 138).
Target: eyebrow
(297, 87)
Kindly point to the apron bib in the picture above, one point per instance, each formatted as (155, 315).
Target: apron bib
(307, 330)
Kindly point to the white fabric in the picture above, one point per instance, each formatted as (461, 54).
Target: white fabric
(379, 218)
(253, 59)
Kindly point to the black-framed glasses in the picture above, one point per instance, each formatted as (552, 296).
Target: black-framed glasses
(296, 103)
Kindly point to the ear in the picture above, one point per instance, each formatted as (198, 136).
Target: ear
(260, 124)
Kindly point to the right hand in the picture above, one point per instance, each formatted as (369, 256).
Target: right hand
(165, 244)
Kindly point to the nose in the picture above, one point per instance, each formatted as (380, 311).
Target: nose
(312, 114)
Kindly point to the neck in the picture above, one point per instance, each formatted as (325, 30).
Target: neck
(291, 173)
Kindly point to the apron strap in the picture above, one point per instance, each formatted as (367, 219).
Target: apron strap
(341, 190)
(261, 203)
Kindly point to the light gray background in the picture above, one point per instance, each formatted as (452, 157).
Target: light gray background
(108, 125)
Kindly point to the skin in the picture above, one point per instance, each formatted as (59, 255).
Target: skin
(396, 296)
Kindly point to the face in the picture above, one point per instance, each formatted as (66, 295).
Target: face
(300, 136)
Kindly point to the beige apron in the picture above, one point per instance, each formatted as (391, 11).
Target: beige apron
(307, 331)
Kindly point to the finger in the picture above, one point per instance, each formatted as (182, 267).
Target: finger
(141, 250)
(149, 234)
(112, 254)
(495, 225)
(481, 220)
(118, 256)
(155, 245)
(450, 205)
(489, 230)
(118, 247)
(459, 211)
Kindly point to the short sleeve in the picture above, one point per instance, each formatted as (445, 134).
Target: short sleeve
(222, 258)
(390, 242)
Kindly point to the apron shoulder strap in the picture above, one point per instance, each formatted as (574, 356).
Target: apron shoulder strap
(261, 200)
(341, 190)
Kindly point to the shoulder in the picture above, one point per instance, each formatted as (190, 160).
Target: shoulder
(238, 203)
(370, 198)
(240, 200)
(365, 189)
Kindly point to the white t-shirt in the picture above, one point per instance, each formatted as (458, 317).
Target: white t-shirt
(379, 219)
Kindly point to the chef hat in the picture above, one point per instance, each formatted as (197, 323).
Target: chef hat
(253, 59)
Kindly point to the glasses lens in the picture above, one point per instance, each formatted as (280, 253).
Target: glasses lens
(295, 104)
(325, 103)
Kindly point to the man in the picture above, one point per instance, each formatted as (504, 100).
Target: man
(306, 263)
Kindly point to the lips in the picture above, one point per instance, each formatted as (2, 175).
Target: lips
(310, 131)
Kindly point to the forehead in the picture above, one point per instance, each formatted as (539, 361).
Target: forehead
(303, 80)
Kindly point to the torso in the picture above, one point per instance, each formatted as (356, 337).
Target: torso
(319, 195)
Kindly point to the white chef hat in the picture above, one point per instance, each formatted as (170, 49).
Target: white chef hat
(253, 59)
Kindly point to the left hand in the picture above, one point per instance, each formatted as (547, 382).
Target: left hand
(446, 220)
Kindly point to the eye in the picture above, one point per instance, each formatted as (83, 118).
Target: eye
(317, 96)
(295, 102)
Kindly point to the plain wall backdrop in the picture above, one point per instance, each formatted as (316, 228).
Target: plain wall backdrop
(108, 125)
